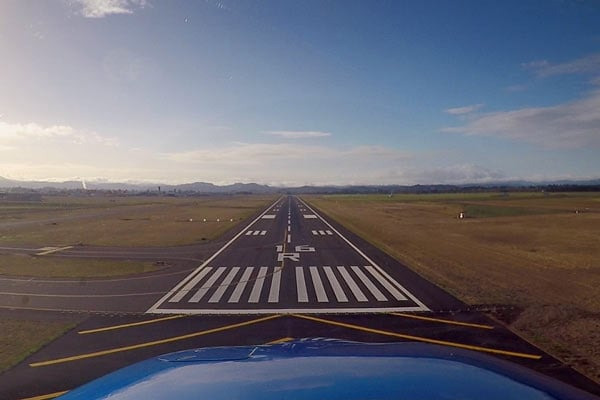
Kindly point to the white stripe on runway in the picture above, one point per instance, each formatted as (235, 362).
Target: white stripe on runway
(256, 233)
(190, 285)
(275, 282)
(248, 233)
(224, 285)
(289, 238)
(258, 284)
(315, 232)
(321, 232)
(211, 281)
(301, 286)
(318, 285)
(329, 232)
(388, 286)
(262, 233)
(289, 228)
(372, 288)
(239, 288)
(335, 285)
(352, 284)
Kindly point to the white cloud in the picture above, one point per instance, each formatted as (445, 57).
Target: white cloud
(574, 124)
(298, 134)
(463, 110)
(454, 174)
(102, 8)
(589, 64)
(32, 132)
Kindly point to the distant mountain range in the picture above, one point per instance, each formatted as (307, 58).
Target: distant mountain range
(209, 188)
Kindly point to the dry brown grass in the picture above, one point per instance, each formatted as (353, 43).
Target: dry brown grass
(123, 221)
(60, 267)
(544, 257)
(24, 335)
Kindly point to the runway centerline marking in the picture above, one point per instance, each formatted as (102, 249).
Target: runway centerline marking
(420, 338)
(152, 343)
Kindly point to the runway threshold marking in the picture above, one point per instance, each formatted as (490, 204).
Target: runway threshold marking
(46, 396)
(443, 321)
(420, 304)
(110, 328)
(170, 293)
(152, 343)
(420, 338)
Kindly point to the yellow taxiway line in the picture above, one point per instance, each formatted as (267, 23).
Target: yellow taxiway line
(420, 339)
(122, 326)
(152, 343)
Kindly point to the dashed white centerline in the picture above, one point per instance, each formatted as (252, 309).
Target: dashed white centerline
(289, 238)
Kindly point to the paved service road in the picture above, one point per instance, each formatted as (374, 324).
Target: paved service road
(290, 259)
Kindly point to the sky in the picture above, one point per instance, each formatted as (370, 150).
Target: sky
(300, 92)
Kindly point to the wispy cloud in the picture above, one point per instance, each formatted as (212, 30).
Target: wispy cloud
(18, 132)
(463, 110)
(102, 8)
(589, 64)
(298, 134)
(574, 124)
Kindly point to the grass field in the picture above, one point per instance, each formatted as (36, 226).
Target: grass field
(24, 335)
(57, 267)
(538, 252)
(123, 221)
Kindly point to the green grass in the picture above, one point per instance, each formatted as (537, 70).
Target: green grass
(126, 221)
(22, 337)
(57, 267)
(489, 211)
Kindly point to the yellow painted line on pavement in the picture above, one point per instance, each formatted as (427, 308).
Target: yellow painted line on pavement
(110, 328)
(46, 396)
(421, 339)
(282, 340)
(153, 343)
(53, 250)
(443, 321)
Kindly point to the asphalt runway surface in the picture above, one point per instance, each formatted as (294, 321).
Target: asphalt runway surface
(287, 272)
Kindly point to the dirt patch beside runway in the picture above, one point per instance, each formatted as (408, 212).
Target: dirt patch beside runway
(536, 251)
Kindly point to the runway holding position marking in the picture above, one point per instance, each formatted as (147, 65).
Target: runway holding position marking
(302, 264)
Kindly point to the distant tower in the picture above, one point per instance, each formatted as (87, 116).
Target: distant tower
(159, 189)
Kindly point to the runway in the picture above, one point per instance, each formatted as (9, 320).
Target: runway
(287, 272)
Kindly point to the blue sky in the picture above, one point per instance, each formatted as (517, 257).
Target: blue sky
(292, 93)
